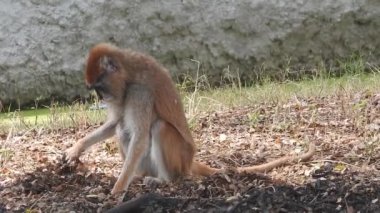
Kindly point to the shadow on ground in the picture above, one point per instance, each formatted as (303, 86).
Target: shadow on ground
(58, 187)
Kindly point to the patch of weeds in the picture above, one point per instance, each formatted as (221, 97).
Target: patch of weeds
(353, 65)
(280, 127)
(81, 115)
(193, 122)
(231, 79)
(54, 116)
(30, 210)
(254, 118)
(359, 114)
(362, 104)
(5, 155)
(190, 84)
(192, 100)
(371, 147)
(16, 120)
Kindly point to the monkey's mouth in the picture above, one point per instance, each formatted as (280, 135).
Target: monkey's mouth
(103, 95)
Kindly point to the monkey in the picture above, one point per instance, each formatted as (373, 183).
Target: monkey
(145, 112)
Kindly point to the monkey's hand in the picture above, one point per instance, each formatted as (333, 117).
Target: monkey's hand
(72, 154)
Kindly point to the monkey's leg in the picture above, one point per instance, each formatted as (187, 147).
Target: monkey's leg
(151, 165)
(177, 153)
(134, 156)
(155, 166)
(122, 153)
(170, 153)
(123, 139)
(136, 123)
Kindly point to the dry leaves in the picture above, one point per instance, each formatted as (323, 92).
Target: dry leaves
(343, 175)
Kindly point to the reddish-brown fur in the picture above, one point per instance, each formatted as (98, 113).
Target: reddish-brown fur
(139, 68)
(175, 138)
(178, 154)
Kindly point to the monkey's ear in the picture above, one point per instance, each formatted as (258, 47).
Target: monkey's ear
(108, 64)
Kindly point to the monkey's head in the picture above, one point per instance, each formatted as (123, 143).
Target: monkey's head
(104, 72)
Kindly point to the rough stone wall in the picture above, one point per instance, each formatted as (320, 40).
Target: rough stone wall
(43, 43)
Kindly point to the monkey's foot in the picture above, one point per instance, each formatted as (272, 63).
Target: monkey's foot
(152, 182)
(117, 190)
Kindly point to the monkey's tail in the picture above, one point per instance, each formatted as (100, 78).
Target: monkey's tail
(279, 162)
(198, 168)
(204, 170)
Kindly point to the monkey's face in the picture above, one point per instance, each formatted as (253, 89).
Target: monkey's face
(102, 90)
(106, 79)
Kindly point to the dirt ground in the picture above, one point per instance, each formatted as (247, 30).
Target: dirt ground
(343, 176)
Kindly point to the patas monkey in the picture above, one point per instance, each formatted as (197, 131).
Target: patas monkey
(146, 113)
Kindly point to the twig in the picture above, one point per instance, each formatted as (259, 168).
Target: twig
(10, 135)
(315, 198)
(35, 202)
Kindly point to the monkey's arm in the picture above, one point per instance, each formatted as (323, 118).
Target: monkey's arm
(103, 132)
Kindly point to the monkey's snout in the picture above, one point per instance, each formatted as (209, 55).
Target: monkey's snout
(98, 89)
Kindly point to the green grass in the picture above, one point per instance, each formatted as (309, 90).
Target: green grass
(280, 92)
(199, 101)
(28, 114)
(54, 117)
